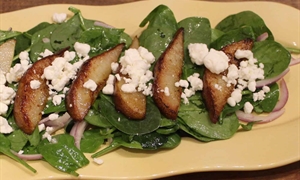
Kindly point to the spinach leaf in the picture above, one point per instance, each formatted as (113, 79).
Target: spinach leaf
(172, 142)
(245, 18)
(196, 118)
(63, 155)
(37, 42)
(160, 31)
(91, 141)
(196, 30)
(5, 149)
(215, 34)
(67, 33)
(120, 139)
(271, 99)
(131, 127)
(101, 39)
(51, 108)
(4, 35)
(183, 126)
(24, 39)
(152, 140)
(273, 55)
(17, 140)
(34, 138)
(232, 36)
(248, 126)
(97, 119)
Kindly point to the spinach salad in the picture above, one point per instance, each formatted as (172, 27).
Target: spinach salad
(103, 124)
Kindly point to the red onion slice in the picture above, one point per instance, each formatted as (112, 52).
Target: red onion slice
(259, 118)
(262, 37)
(265, 82)
(29, 157)
(102, 24)
(77, 132)
(294, 61)
(58, 123)
(44, 120)
(283, 96)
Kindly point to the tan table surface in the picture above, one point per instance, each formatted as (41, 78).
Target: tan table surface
(287, 172)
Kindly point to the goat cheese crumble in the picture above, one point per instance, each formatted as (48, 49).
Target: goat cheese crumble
(59, 17)
(242, 77)
(5, 128)
(90, 84)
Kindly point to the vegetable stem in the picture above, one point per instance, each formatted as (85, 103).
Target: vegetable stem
(106, 150)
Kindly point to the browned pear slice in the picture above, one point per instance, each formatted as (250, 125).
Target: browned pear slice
(132, 105)
(168, 71)
(30, 102)
(7, 51)
(215, 99)
(97, 69)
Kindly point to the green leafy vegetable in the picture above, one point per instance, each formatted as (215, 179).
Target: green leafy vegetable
(245, 18)
(63, 155)
(5, 149)
(273, 55)
(132, 127)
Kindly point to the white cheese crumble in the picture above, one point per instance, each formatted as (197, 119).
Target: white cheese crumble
(82, 49)
(5, 128)
(98, 161)
(35, 84)
(109, 87)
(57, 99)
(59, 17)
(7, 95)
(197, 52)
(191, 85)
(245, 77)
(248, 108)
(114, 67)
(135, 64)
(90, 84)
(46, 53)
(235, 98)
(16, 72)
(53, 116)
(41, 127)
(216, 61)
(166, 91)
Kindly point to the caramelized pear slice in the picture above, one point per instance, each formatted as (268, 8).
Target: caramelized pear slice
(132, 105)
(215, 99)
(97, 69)
(30, 102)
(7, 51)
(168, 71)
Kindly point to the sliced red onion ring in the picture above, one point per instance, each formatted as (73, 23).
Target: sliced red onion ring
(29, 157)
(283, 96)
(265, 82)
(102, 24)
(259, 118)
(77, 132)
(44, 120)
(294, 61)
(58, 123)
(262, 37)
